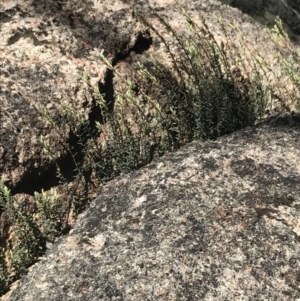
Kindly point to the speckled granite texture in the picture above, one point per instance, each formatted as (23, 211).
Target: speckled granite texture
(47, 45)
(267, 10)
(218, 220)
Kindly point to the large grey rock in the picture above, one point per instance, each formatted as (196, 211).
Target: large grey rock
(218, 220)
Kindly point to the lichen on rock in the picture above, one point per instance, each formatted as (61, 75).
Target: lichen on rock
(217, 220)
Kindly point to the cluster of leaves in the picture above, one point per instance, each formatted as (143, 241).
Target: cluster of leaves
(30, 232)
(211, 89)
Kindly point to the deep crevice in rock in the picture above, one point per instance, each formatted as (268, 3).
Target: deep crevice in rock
(46, 179)
(142, 44)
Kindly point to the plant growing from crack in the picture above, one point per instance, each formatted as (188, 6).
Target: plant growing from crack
(30, 232)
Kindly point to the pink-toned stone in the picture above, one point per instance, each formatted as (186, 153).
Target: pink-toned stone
(45, 47)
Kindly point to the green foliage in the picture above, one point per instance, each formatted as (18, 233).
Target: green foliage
(29, 233)
(287, 78)
(4, 274)
(28, 243)
(50, 214)
(211, 97)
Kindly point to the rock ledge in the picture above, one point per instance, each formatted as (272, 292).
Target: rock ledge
(218, 220)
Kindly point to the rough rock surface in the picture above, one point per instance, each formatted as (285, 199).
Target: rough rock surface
(45, 46)
(266, 11)
(217, 220)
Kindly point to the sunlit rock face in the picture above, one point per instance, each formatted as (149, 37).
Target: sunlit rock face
(265, 11)
(217, 220)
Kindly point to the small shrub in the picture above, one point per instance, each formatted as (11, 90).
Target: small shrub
(29, 235)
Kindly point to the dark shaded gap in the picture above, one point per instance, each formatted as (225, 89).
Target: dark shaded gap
(77, 141)
(142, 44)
